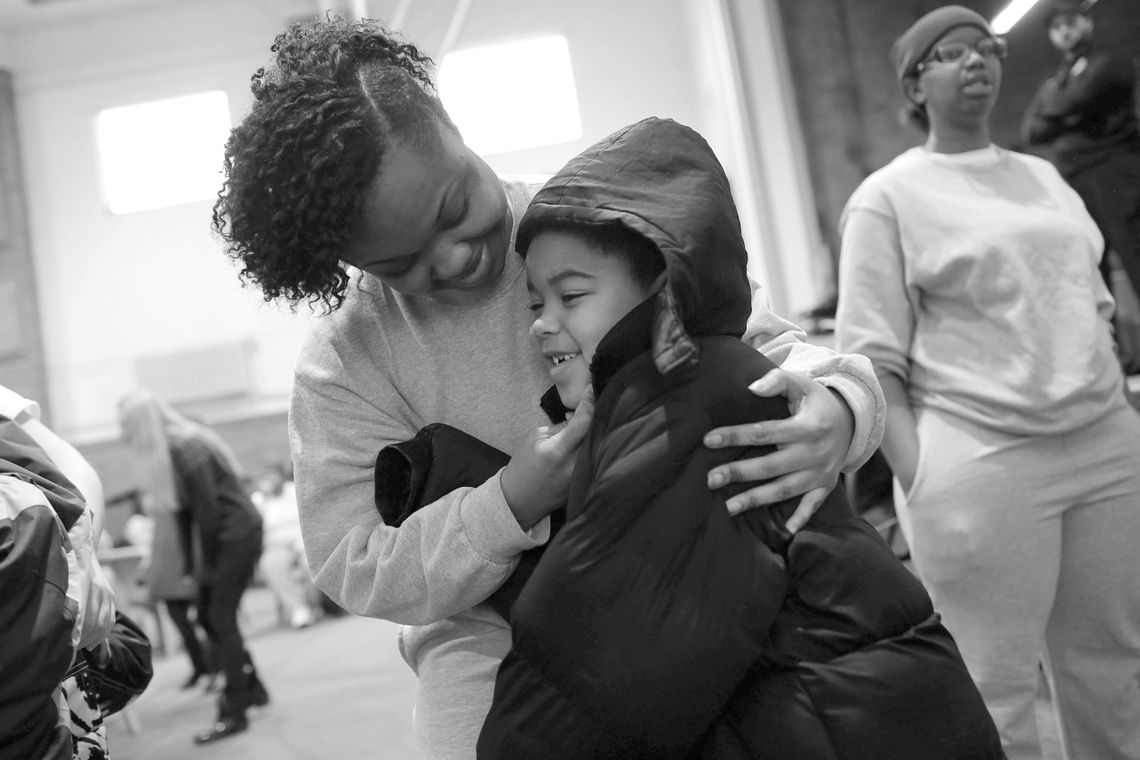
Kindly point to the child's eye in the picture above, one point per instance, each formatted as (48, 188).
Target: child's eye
(535, 307)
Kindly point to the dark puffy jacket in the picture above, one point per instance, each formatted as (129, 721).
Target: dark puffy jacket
(38, 609)
(656, 625)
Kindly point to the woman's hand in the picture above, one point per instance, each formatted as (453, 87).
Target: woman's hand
(812, 446)
(536, 480)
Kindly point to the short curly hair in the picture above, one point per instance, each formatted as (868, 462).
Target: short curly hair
(297, 166)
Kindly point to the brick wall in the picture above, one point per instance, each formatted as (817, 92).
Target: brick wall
(848, 98)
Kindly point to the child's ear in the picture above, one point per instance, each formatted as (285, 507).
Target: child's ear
(913, 91)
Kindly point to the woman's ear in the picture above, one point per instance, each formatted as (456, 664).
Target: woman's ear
(913, 91)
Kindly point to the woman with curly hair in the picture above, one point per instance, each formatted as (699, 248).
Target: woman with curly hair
(349, 187)
(194, 482)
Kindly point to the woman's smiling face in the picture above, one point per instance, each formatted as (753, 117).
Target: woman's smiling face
(434, 220)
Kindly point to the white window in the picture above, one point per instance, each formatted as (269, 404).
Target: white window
(163, 153)
(512, 96)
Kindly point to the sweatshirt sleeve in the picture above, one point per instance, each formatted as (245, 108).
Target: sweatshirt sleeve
(849, 375)
(445, 558)
(876, 316)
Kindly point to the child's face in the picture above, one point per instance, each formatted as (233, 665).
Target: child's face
(577, 294)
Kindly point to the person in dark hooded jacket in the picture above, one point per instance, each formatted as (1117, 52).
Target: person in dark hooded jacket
(657, 625)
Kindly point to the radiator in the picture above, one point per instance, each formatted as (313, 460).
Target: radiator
(209, 372)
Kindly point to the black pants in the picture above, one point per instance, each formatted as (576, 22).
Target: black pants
(230, 576)
(1111, 192)
(179, 612)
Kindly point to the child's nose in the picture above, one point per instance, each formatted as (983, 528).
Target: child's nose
(543, 325)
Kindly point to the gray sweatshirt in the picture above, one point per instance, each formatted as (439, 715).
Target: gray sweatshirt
(973, 278)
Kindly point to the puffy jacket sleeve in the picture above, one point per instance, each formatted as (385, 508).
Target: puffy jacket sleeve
(40, 597)
(443, 559)
(424, 469)
(619, 648)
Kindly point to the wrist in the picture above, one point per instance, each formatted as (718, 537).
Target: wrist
(512, 495)
(847, 419)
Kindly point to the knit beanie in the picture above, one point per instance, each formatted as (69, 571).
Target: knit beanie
(916, 42)
(1073, 7)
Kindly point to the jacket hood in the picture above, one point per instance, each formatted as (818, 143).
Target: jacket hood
(663, 181)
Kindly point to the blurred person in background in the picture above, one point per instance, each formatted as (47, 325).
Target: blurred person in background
(1083, 118)
(283, 565)
(166, 575)
(57, 607)
(193, 476)
(969, 275)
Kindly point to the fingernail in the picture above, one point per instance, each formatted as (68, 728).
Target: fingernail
(734, 507)
(714, 439)
(716, 480)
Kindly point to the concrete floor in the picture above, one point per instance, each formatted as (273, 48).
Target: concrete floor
(339, 690)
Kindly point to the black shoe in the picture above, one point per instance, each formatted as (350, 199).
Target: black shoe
(258, 696)
(223, 728)
(255, 694)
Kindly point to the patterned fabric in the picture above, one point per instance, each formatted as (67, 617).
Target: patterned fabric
(85, 720)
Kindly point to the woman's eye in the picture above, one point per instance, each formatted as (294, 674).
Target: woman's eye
(569, 298)
(457, 214)
(395, 268)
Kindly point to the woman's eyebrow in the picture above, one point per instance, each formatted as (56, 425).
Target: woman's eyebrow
(458, 186)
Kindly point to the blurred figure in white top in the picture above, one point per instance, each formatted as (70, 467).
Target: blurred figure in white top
(283, 564)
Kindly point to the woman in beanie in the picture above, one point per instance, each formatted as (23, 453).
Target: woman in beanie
(969, 276)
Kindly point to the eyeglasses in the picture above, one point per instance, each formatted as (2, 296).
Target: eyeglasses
(953, 52)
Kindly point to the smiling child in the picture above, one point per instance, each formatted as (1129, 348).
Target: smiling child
(657, 625)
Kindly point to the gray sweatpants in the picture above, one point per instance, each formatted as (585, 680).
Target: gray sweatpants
(1029, 547)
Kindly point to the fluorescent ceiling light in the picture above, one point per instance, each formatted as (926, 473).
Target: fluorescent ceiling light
(1011, 14)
